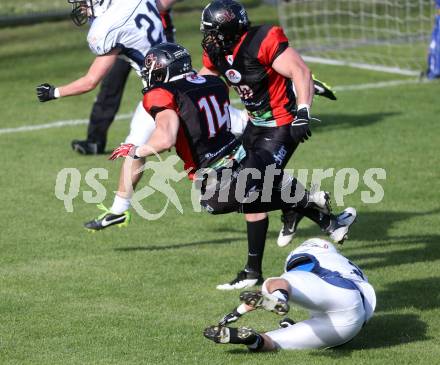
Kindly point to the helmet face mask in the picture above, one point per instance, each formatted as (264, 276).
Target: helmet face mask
(84, 10)
(223, 23)
(165, 63)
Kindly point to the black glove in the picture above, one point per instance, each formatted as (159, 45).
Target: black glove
(299, 129)
(45, 92)
(230, 318)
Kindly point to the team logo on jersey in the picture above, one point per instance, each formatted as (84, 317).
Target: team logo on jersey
(230, 59)
(195, 79)
(233, 75)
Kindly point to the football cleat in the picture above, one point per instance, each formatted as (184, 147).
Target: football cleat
(320, 200)
(286, 322)
(290, 221)
(108, 219)
(220, 334)
(322, 89)
(341, 224)
(87, 148)
(244, 279)
(267, 301)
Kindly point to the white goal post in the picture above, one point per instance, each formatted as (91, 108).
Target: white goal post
(384, 35)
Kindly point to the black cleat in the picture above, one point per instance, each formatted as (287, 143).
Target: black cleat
(290, 221)
(286, 322)
(220, 334)
(108, 219)
(87, 148)
(266, 301)
(244, 279)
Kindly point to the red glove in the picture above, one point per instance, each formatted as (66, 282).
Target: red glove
(124, 150)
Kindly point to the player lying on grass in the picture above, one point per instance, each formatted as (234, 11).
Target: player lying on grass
(317, 278)
(191, 113)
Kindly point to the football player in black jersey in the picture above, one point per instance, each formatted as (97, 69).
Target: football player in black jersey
(259, 64)
(192, 113)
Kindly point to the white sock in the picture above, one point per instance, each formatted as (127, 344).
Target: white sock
(281, 294)
(120, 205)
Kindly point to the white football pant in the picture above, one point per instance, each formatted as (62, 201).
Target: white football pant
(141, 126)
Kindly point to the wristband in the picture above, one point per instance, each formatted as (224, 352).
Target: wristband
(134, 155)
(56, 93)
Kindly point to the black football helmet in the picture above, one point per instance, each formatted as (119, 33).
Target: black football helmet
(223, 23)
(165, 62)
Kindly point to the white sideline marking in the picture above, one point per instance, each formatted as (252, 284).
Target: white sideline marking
(364, 66)
(58, 124)
(376, 85)
(65, 123)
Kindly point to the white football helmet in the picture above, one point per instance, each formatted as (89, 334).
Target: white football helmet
(83, 10)
(312, 246)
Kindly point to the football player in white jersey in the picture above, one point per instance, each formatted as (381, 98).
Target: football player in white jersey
(119, 28)
(316, 277)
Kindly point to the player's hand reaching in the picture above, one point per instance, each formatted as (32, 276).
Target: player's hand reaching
(45, 92)
(124, 150)
(299, 129)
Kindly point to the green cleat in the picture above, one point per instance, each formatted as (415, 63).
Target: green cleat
(108, 219)
(322, 89)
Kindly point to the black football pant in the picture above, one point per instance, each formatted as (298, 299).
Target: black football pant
(264, 146)
(107, 102)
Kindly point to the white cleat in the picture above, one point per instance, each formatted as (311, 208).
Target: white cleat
(321, 200)
(244, 279)
(342, 224)
(290, 224)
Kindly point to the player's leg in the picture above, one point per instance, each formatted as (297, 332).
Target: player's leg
(257, 225)
(313, 205)
(141, 128)
(104, 109)
(338, 312)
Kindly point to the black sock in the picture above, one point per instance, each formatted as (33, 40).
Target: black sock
(258, 343)
(254, 340)
(256, 234)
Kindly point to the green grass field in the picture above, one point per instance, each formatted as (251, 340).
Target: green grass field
(143, 295)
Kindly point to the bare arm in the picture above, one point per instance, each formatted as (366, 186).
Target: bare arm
(164, 4)
(291, 65)
(99, 68)
(206, 71)
(164, 136)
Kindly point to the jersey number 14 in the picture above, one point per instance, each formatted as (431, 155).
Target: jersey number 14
(215, 117)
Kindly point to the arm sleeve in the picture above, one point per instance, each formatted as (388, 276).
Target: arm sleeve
(272, 46)
(157, 100)
(207, 62)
